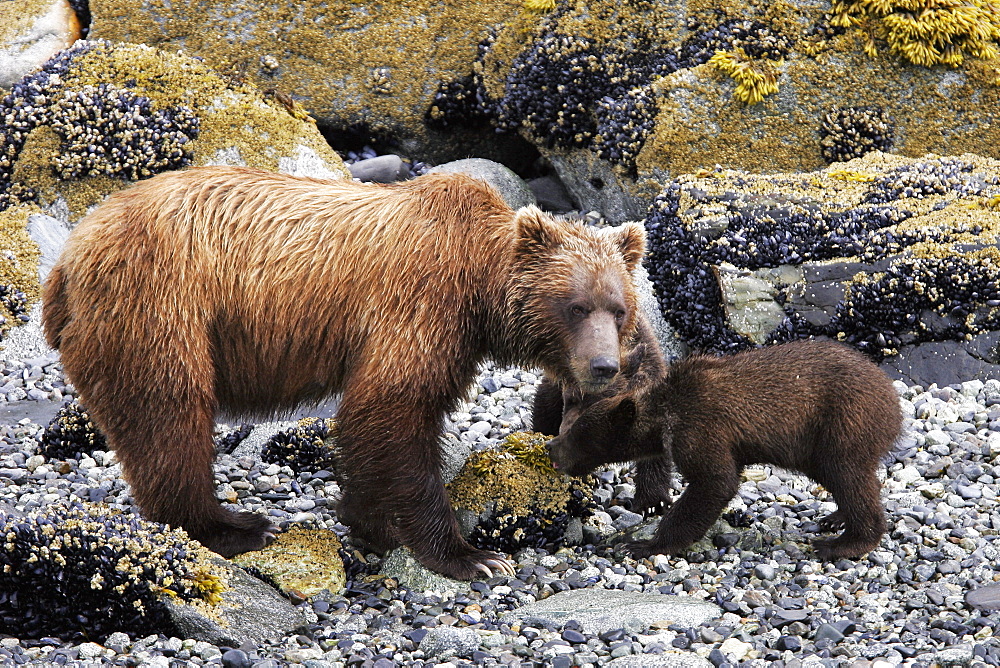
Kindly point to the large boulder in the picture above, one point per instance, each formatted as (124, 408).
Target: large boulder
(366, 68)
(616, 96)
(99, 116)
(32, 32)
(896, 256)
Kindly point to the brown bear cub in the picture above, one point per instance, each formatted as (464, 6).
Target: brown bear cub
(816, 407)
(644, 365)
(233, 291)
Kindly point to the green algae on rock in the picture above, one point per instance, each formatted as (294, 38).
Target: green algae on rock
(98, 115)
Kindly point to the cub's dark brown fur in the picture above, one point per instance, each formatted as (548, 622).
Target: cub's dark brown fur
(242, 292)
(815, 407)
(644, 365)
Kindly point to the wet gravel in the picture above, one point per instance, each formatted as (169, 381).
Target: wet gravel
(903, 604)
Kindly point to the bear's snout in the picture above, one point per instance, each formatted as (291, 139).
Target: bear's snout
(603, 368)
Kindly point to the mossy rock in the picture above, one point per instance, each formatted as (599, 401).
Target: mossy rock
(895, 256)
(302, 561)
(509, 496)
(99, 116)
(367, 67)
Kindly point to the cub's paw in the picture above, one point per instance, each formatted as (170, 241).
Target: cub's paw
(477, 564)
(642, 549)
(650, 502)
(832, 522)
(841, 548)
(242, 532)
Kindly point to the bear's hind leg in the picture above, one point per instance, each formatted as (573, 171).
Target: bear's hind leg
(167, 456)
(859, 509)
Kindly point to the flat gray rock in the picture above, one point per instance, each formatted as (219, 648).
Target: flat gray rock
(985, 599)
(601, 610)
(251, 611)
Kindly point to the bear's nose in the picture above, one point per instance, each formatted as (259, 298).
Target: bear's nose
(603, 367)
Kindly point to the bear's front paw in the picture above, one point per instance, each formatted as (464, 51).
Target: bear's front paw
(477, 564)
(642, 549)
(650, 502)
(241, 532)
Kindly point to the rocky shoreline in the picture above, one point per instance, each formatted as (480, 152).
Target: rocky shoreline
(759, 596)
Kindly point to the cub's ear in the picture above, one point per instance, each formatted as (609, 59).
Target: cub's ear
(632, 239)
(623, 415)
(536, 230)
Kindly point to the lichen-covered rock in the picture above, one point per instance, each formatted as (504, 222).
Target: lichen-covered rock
(368, 67)
(896, 256)
(303, 561)
(32, 32)
(99, 115)
(19, 263)
(509, 496)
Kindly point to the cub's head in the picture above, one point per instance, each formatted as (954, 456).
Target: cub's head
(599, 434)
(619, 425)
(575, 296)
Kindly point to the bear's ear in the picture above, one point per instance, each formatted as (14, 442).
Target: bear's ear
(536, 231)
(632, 239)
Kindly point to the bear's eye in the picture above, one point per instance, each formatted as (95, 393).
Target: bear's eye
(578, 311)
(620, 316)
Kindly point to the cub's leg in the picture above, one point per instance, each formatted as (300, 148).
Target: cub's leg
(393, 491)
(710, 486)
(547, 408)
(652, 485)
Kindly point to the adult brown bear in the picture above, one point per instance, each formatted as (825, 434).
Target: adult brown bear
(816, 407)
(243, 292)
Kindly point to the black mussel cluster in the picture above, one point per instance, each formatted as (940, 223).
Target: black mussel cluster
(227, 442)
(302, 448)
(852, 132)
(754, 38)
(508, 531)
(71, 434)
(931, 177)
(112, 131)
(921, 297)
(102, 129)
(623, 124)
(82, 573)
(14, 302)
(570, 92)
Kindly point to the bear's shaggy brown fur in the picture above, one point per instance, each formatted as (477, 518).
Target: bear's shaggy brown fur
(645, 364)
(242, 292)
(816, 407)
